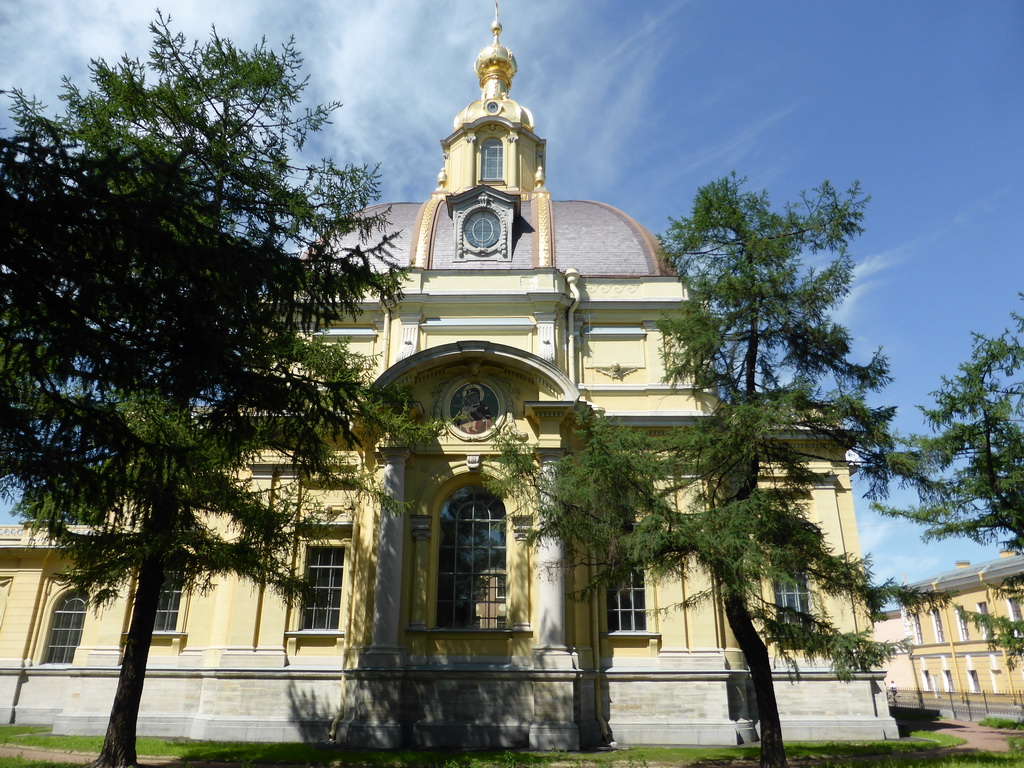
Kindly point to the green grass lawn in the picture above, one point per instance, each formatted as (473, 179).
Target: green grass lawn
(890, 753)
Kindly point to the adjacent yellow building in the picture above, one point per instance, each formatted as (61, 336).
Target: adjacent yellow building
(947, 652)
(442, 625)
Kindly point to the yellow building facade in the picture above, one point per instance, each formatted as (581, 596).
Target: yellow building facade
(443, 626)
(947, 653)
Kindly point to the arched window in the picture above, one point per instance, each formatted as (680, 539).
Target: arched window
(471, 570)
(66, 628)
(492, 167)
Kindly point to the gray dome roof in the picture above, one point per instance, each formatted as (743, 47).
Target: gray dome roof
(595, 238)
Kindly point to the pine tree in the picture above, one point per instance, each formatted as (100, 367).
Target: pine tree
(164, 268)
(969, 471)
(726, 495)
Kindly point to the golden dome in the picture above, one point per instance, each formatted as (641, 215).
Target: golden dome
(495, 66)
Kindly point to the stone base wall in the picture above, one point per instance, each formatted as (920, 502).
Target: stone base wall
(218, 704)
(818, 707)
(673, 707)
(656, 707)
(459, 706)
(469, 707)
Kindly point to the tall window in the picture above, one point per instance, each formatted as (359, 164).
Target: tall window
(66, 628)
(918, 635)
(471, 561)
(491, 157)
(926, 679)
(961, 624)
(940, 636)
(627, 605)
(983, 610)
(324, 569)
(170, 601)
(793, 596)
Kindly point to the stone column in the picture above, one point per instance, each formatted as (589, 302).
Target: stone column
(556, 680)
(374, 689)
(387, 592)
(551, 594)
(420, 525)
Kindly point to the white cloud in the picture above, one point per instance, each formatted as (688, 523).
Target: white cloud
(729, 152)
(967, 215)
(870, 273)
(401, 68)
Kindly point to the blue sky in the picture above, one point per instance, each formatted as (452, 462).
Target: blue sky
(643, 102)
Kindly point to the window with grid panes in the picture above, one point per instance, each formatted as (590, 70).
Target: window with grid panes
(324, 569)
(66, 628)
(491, 161)
(627, 605)
(170, 601)
(1013, 607)
(940, 635)
(471, 561)
(983, 610)
(794, 596)
(962, 628)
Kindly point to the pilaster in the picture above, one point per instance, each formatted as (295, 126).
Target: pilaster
(387, 593)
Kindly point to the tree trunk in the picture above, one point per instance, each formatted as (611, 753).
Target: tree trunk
(773, 750)
(118, 749)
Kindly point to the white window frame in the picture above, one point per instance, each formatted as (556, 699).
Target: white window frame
(66, 624)
(492, 163)
(982, 608)
(961, 625)
(627, 605)
(168, 609)
(940, 634)
(795, 595)
(327, 577)
(1013, 609)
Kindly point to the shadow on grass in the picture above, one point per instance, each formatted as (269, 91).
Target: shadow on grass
(901, 753)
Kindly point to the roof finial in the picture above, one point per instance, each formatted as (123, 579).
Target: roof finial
(495, 66)
(496, 26)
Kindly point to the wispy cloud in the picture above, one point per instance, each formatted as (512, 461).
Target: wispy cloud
(729, 153)
(870, 273)
(965, 217)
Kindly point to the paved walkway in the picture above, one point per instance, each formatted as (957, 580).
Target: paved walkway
(978, 738)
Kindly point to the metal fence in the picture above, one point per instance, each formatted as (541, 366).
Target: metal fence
(959, 706)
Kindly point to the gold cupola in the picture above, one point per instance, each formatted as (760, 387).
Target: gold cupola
(495, 66)
(493, 143)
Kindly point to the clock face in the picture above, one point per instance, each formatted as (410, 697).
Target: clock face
(492, 107)
(482, 229)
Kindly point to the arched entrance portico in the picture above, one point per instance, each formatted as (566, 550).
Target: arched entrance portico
(448, 666)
